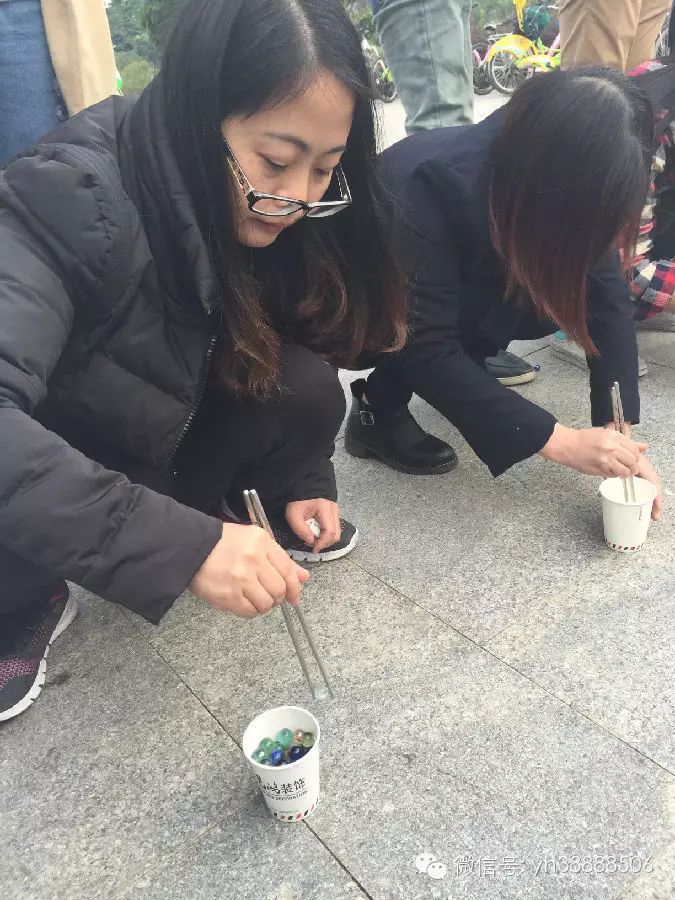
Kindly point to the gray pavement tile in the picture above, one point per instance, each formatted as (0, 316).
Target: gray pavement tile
(463, 544)
(608, 650)
(251, 857)
(431, 745)
(657, 347)
(657, 396)
(115, 766)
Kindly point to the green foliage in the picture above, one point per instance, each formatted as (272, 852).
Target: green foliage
(136, 75)
(156, 15)
(129, 26)
(496, 11)
(363, 19)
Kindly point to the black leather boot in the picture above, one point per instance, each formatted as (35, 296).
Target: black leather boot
(395, 438)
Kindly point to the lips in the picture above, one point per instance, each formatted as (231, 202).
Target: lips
(272, 226)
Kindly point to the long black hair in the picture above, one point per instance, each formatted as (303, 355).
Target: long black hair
(570, 174)
(236, 57)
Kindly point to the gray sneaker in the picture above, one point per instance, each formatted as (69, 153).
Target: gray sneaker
(509, 369)
(664, 321)
(572, 353)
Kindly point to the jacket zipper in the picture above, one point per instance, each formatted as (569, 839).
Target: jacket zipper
(206, 365)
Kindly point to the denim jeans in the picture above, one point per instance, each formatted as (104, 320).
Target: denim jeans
(427, 45)
(30, 102)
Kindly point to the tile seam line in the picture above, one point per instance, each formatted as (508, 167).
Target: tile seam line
(219, 821)
(120, 890)
(570, 705)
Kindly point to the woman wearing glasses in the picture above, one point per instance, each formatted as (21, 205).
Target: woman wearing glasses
(180, 274)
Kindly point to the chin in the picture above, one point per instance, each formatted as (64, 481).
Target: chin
(258, 238)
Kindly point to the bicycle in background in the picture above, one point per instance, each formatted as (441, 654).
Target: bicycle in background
(479, 53)
(514, 57)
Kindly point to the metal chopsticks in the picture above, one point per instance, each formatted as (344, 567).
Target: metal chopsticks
(258, 517)
(620, 425)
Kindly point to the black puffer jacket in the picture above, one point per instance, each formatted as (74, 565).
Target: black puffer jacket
(106, 329)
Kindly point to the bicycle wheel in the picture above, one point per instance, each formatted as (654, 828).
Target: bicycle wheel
(662, 48)
(502, 71)
(481, 79)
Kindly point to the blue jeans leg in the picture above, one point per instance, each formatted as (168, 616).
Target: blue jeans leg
(28, 89)
(427, 45)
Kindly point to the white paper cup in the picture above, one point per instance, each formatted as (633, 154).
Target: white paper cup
(626, 523)
(291, 791)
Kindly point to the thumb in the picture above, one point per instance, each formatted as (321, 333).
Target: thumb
(296, 520)
(642, 447)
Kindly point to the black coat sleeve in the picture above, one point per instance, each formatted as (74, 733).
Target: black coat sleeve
(501, 427)
(612, 328)
(59, 509)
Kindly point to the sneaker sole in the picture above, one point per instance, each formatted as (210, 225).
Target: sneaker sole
(325, 556)
(513, 380)
(67, 616)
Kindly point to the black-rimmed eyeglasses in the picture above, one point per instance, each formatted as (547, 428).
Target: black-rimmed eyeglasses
(274, 205)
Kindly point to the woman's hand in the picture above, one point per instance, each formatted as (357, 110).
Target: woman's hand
(247, 573)
(326, 513)
(647, 471)
(595, 451)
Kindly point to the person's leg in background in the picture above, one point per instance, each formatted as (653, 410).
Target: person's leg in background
(427, 45)
(598, 32)
(652, 16)
(671, 29)
(29, 99)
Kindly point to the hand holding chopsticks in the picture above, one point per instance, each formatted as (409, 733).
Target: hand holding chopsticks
(258, 517)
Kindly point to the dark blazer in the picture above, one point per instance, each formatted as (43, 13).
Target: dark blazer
(458, 313)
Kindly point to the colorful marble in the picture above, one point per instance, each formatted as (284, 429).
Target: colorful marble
(266, 745)
(287, 747)
(277, 756)
(285, 737)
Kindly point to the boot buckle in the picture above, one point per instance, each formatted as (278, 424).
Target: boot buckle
(367, 418)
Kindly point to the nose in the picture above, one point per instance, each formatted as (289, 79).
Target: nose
(297, 185)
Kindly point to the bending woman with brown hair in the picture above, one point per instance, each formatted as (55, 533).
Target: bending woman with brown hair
(512, 229)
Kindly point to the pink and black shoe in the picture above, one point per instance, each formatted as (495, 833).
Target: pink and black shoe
(25, 638)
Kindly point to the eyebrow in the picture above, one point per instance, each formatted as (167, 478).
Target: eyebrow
(300, 144)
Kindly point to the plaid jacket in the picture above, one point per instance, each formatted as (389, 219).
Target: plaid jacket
(652, 282)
